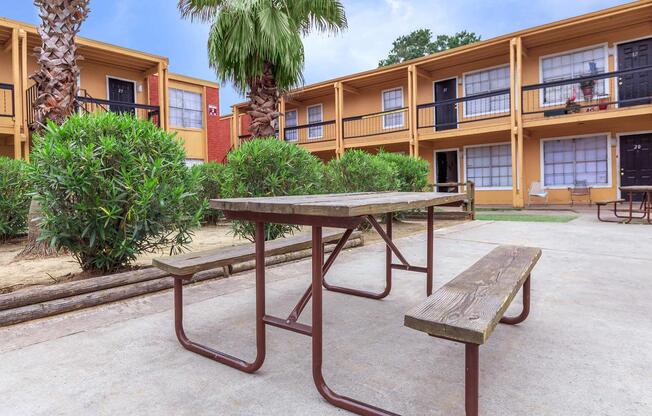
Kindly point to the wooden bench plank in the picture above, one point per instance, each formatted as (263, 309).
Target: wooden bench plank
(191, 263)
(467, 308)
(610, 201)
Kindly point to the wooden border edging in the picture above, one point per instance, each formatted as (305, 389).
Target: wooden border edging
(28, 304)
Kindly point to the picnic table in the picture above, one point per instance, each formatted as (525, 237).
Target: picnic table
(344, 211)
(645, 207)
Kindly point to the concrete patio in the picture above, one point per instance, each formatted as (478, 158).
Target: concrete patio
(584, 350)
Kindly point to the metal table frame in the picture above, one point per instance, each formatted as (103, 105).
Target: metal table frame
(644, 209)
(314, 292)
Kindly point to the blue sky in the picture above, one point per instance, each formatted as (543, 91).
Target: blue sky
(155, 26)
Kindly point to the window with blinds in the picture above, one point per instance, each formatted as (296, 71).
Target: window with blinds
(569, 161)
(185, 109)
(571, 65)
(486, 81)
(393, 100)
(489, 166)
(315, 116)
(291, 135)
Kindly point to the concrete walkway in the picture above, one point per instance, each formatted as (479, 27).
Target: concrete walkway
(585, 350)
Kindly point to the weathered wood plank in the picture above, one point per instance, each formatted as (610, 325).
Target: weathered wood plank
(467, 308)
(190, 263)
(339, 205)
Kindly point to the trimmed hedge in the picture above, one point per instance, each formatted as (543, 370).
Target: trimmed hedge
(14, 197)
(111, 187)
(212, 176)
(359, 171)
(412, 172)
(270, 167)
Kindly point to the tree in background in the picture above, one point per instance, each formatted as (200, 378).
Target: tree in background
(56, 81)
(419, 43)
(257, 46)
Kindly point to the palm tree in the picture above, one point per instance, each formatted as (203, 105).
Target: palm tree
(256, 45)
(56, 81)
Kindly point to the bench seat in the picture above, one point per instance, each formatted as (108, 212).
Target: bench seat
(610, 201)
(187, 264)
(468, 308)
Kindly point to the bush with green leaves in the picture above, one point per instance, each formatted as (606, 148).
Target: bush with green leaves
(412, 172)
(359, 171)
(112, 187)
(270, 167)
(14, 197)
(212, 175)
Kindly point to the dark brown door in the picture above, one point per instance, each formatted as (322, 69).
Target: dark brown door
(446, 113)
(635, 88)
(446, 165)
(123, 92)
(636, 160)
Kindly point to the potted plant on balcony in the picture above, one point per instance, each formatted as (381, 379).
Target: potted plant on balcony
(571, 105)
(587, 88)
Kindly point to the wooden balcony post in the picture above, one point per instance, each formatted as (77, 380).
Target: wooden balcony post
(516, 125)
(520, 135)
(413, 77)
(235, 127)
(162, 94)
(339, 126)
(411, 144)
(23, 89)
(281, 119)
(17, 99)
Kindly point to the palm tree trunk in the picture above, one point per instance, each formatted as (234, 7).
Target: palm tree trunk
(263, 97)
(56, 81)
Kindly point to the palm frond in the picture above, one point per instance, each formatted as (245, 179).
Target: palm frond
(200, 10)
(320, 15)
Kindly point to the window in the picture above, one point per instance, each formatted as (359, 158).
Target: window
(489, 166)
(573, 65)
(393, 100)
(291, 135)
(185, 109)
(315, 116)
(483, 82)
(193, 162)
(568, 161)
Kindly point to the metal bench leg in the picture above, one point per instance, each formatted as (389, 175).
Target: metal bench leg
(231, 361)
(471, 378)
(526, 307)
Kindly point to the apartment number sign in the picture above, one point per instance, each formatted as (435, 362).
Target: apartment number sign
(212, 110)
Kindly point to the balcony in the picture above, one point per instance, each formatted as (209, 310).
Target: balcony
(384, 124)
(588, 95)
(7, 100)
(324, 131)
(88, 104)
(478, 110)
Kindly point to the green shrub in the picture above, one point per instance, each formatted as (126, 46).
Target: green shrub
(111, 187)
(14, 197)
(413, 172)
(212, 175)
(359, 171)
(270, 167)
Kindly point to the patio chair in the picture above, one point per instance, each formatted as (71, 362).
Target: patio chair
(536, 190)
(580, 189)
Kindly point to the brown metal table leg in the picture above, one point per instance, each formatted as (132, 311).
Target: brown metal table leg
(471, 379)
(237, 363)
(526, 307)
(430, 246)
(317, 339)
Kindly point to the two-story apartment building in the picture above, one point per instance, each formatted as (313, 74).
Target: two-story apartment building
(562, 104)
(111, 78)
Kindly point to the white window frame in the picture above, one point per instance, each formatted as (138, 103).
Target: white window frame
(295, 131)
(434, 109)
(201, 98)
(542, 166)
(321, 128)
(486, 113)
(382, 104)
(605, 48)
(487, 188)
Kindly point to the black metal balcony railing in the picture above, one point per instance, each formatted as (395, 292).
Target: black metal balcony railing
(311, 132)
(30, 99)
(374, 124)
(596, 92)
(143, 111)
(448, 114)
(7, 108)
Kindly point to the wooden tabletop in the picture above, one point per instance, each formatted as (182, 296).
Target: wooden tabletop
(637, 188)
(338, 205)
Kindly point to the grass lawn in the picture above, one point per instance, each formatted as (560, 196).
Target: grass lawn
(524, 217)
